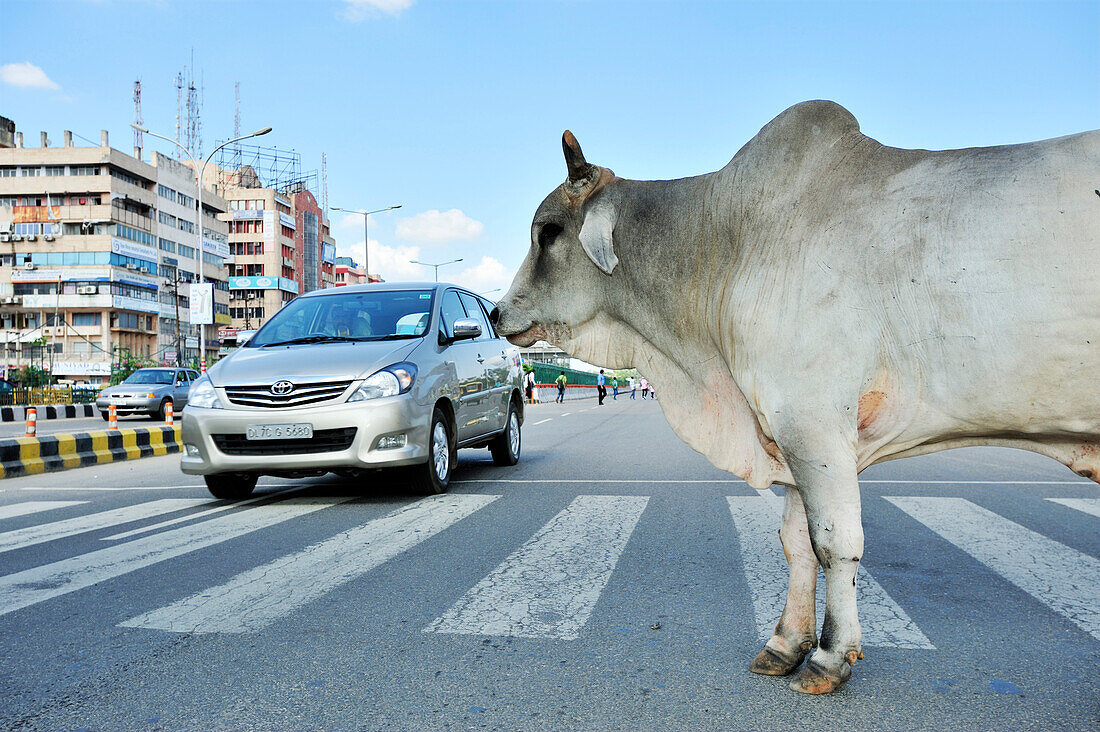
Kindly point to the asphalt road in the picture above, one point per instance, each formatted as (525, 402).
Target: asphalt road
(83, 424)
(613, 579)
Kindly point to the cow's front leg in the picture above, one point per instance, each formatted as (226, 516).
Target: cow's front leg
(829, 489)
(796, 632)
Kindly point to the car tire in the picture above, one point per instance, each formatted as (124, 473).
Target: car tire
(162, 412)
(230, 486)
(433, 476)
(106, 416)
(506, 446)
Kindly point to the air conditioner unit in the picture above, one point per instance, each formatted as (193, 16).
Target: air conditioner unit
(32, 237)
(87, 290)
(144, 270)
(11, 301)
(48, 237)
(29, 266)
(131, 265)
(16, 237)
(5, 236)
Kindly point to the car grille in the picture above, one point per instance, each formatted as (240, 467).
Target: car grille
(261, 396)
(322, 441)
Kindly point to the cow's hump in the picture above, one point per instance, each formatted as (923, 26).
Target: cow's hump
(799, 132)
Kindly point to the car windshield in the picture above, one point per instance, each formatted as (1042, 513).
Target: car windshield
(354, 316)
(149, 376)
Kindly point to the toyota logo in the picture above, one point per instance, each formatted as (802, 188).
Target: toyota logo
(282, 388)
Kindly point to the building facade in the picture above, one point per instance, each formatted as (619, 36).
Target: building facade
(83, 273)
(349, 272)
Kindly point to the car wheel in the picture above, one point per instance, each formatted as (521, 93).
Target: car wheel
(230, 486)
(106, 415)
(433, 476)
(162, 412)
(505, 447)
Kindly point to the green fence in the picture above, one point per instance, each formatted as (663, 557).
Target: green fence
(39, 396)
(546, 374)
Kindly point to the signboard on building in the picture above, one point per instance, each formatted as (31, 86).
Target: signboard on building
(67, 275)
(122, 302)
(269, 232)
(81, 368)
(132, 249)
(202, 303)
(263, 283)
(287, 220)
(227, 333)
(328, 253)
(217, 248)
(248, 214)
(190, 342)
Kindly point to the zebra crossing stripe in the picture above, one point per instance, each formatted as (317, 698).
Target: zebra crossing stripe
(757, 519)
(34, 585)
(1064, 579)
(29, 507)
(31, 535)
(193, 516)
(549, 586)
(254, 599)
(1090, 506)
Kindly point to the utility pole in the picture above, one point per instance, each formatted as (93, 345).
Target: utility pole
(176, 300)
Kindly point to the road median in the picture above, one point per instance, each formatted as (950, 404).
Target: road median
(52, 453)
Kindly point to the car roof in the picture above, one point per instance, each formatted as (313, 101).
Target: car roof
(385, 287)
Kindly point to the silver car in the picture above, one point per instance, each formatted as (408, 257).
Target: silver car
(351, 379)
(148, 391)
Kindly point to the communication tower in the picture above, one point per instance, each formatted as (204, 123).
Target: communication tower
(138, 121)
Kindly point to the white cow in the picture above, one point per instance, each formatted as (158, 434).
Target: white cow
(823, 303)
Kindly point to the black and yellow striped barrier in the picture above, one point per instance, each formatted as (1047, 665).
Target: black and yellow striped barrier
(50, 453)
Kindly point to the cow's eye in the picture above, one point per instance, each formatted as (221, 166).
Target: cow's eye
(548, 233)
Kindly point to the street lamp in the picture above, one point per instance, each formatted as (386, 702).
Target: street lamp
(437, 266)
(366, 237)
(198, 214)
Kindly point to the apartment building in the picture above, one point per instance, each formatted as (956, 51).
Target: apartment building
(349, 272)
(280, 246)
(85, 256)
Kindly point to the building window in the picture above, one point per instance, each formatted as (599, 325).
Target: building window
(86, 319)
(52, 171)
(185, 251)
(31, 172)
(167, 245)
(83, 170)
(8, 171)
(141, 237)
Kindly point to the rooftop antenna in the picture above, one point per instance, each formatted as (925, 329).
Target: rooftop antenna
(179, 111)
(324, 185)
(138, 121)
(237, 112)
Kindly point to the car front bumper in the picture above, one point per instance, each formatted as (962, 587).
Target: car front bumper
(128, 405)
(372, 420)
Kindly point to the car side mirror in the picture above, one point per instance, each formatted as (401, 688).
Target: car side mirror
(466, 328)
(244, 336)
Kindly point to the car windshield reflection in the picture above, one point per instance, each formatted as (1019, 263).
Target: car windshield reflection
(149, 376)
(348, 317)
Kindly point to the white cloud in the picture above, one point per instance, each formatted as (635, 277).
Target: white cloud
(485, 276)
(361, 9)
(439, 227)
(27, 76)
(390, 262)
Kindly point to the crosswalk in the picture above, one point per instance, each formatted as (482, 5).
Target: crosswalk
(547, 587)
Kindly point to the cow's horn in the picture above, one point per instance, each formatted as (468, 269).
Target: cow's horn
(579, 168)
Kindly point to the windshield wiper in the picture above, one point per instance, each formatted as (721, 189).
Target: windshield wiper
(391, 337)
(314, 339)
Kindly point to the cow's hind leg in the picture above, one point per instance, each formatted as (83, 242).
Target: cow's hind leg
(829, 489)
(796, 632)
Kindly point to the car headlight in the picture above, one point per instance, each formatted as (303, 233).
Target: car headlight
(390, 381)
(204, 395)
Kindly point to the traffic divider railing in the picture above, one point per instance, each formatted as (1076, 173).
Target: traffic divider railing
(50, 453)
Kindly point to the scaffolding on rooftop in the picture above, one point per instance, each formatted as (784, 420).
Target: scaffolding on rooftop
(256, 166)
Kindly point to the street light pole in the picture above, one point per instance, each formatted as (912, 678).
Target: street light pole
(198, 213)
(366, 231)
(437, 266)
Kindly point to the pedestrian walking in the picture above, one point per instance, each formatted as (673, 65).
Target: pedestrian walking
(529, 386)
(560, 381)
(614, 388)
(633, 387)
(601, 387)
(645, 387)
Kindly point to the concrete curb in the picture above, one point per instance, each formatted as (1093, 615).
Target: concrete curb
(50, 411)
(51, 453)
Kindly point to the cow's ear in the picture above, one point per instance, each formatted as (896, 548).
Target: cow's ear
(596, 236)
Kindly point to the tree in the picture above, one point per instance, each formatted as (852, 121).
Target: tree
(127, 364)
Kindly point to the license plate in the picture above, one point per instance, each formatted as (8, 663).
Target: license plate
(295, 431)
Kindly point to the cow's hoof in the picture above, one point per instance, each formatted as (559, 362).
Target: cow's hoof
(771, 662)
(816, 679)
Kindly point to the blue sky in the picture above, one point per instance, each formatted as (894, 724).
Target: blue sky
(457, 108)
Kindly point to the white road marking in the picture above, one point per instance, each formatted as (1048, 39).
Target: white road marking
(549, 586)
(28, 507)
(35, 585)
(566, 414)
(254, 599)
(31, 535)
(545, 420)
(191, 516)
(1064, 579)
(757, 519)
(1090, 506)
